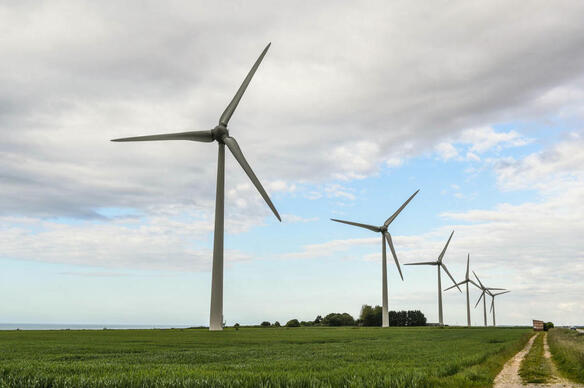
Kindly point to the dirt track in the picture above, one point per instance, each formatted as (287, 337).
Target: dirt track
(509, 375)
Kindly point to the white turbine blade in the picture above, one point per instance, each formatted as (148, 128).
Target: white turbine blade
(388, 238)
(480, 297)
(456, 285)
(423, 263)
(203, 136)
(390, 219)
(492, 303)
(224, 120)
(370, 227)
(236, 151)
(445, 247)
(451, 278)
(467, 266)
(501, 293)
(493, 288)
(474, 284)
(482, 287)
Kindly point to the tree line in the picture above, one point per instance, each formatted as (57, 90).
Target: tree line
(369, 316)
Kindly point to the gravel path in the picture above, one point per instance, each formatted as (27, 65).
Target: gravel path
(509, 375)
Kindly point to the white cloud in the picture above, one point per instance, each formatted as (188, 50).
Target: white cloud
(446, 151)
(318, 109)
(161, 242)
(549, 170)
(485, 138)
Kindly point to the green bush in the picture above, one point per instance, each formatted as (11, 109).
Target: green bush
(293, 323)
(338, 319)
(265, 324)
(548, 325)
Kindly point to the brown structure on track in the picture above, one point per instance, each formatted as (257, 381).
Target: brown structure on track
(537, 325)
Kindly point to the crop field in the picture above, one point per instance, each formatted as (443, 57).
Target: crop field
(567, 348)
(257, 357)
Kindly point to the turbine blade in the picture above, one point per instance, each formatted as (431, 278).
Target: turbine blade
(390, 219)
(445, 247)
(480, 297)
(203, 136)
(451, 278)
(370, 227)
(500, 293)
(236, 151)
(224, 120)
(479, 280)
(456, 285)
(423, 263)
(473, 283)
(492, 303)
(390, 242)
(467, 266)
(493, 288)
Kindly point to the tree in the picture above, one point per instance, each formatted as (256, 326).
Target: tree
(276, 324)
(317, 320)
(236, 326)
(370, 316)
(337, 319)
(266, 324)
(548, 325)
(293, 323)
(407, 318)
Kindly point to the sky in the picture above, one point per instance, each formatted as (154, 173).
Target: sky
(355, 107)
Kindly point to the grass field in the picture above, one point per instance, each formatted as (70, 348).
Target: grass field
(535, 368)
(255, 357)
(567, 348)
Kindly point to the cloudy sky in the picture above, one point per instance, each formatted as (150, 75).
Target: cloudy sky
(477, 104)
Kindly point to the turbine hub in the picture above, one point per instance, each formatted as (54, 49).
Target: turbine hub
(383, 229)
(219, 132)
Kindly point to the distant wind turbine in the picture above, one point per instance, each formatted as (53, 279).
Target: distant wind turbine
(466, 281)
(220, 134)
(485, 290)
(493, 295)
(440, 264)
(385, 236)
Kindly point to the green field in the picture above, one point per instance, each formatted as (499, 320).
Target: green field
(567, 348)
(256, 357)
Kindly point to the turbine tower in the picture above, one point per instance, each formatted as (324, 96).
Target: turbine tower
(385, 236)
(484, 291)
(220, 134)
(493, 295)
(466, 281)
(440, 264)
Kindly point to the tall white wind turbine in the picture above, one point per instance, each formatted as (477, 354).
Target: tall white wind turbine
(438, 263)
(485, 290)
(493, 295)
(466, 281)
(385, 236)
(220, 134)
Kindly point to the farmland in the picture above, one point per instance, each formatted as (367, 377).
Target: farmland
(256, 357)
(567, 348)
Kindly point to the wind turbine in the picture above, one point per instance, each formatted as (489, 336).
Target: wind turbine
(484, 291)
(220, 134)
(493, 295)
(466, 281)
(385, 236)
(440, 264)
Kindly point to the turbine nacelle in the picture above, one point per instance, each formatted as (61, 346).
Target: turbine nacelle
(219, 133)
